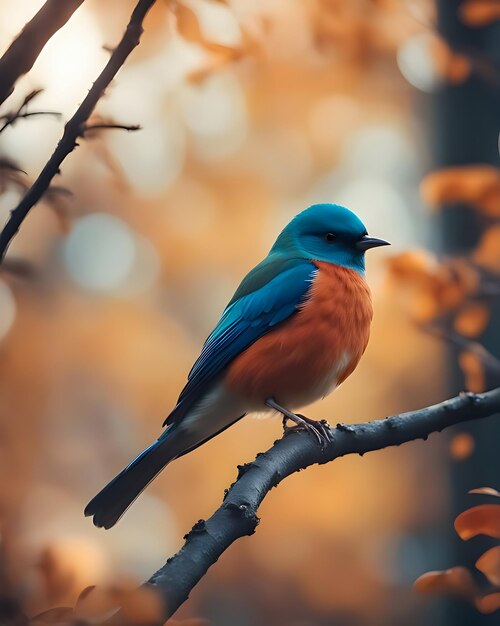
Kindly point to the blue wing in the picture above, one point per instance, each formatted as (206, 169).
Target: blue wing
(245, 320)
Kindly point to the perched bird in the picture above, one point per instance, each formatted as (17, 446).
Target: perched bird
(294, 330)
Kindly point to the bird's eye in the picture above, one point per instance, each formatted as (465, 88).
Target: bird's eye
(329, 237)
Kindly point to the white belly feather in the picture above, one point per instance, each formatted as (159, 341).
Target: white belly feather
(221, 407)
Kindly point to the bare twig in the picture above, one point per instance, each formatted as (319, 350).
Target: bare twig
(111, 125)
(12, 175)
(26, 47)
(237, 515)
(21, 112)
(490, 362)
(11, 118)
(75, 127)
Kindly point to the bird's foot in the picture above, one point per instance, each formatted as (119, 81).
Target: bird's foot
(319, 429)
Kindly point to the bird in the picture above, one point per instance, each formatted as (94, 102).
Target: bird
(294, 330)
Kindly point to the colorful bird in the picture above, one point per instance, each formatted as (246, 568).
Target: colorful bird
(294, 330)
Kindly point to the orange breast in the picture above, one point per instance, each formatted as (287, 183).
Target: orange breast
(315, 349)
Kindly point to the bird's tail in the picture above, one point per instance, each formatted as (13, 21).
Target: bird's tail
(113, 500)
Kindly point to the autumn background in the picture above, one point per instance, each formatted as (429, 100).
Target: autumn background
(250, 111)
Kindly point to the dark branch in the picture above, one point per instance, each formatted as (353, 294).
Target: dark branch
(237, 516)
(22, 112)
(76, 125)
(490, 362)
(26, 47)
(106, 126)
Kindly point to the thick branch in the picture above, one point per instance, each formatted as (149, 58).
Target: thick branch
(237, 515)
(22, 53)
(76, 125)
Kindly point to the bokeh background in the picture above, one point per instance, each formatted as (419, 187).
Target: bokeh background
(250, 111)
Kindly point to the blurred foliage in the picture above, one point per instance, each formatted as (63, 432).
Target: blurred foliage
(483, 519)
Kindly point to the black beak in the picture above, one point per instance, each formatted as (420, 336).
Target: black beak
(365, 243)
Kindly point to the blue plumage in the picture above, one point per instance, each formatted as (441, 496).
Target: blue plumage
(242, 323)
(306, 237)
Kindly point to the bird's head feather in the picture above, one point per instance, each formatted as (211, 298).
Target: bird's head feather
(326, 232)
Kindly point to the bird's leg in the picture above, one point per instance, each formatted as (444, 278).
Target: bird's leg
(322, 425)
(319, 429)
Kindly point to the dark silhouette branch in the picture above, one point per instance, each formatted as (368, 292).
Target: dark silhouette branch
(76, 126)
(106, 126)
(237, 515)
(490, 362)
(22, 53)
(22, 111)
(11, 118)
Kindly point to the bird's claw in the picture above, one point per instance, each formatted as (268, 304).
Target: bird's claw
(319, 429)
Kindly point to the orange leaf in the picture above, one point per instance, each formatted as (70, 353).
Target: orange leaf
(489, 203)
(144, 606)
(451, 65)
(412, 264)
(449, 294)
(487, 253)
(462, 446)
(473, 370)
(479, 520)
(424, 306)
(463, 274)
(188, 25)
(472, 319)
(85, 594)
(219, 56)
(487, 491)
(489, 603)
(479, 12)
(457, 581)
(417, 269)
(478, 185)
(435, 288)
(95, 602)
(489, 564)
(54, 616)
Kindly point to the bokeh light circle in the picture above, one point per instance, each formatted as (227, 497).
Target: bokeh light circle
(416, 63)
(99, 253)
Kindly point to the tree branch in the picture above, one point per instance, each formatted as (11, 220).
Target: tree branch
(76, 126)
(107, 126)
(22, 53)
(9, 119)
(490, 362)
(237, 515)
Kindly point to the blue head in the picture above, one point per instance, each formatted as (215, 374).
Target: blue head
(327, 232)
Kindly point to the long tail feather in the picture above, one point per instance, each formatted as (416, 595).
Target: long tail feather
(113, 500)
(211, 416)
